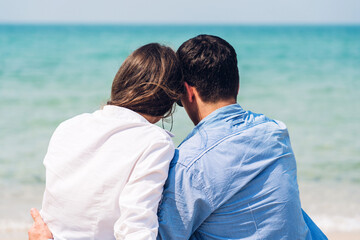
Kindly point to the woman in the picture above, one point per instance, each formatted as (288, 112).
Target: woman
(105, 171)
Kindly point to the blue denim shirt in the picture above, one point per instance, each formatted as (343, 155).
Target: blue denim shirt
(234, 177)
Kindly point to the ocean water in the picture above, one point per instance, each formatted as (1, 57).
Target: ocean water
(305, 76)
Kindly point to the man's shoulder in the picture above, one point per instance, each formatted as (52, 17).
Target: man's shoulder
(227, 133)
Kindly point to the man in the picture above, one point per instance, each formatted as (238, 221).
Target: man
(234, 175)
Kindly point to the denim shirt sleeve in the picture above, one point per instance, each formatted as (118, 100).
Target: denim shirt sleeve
(184, 205)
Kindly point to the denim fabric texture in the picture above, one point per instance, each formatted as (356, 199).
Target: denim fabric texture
(234, 177)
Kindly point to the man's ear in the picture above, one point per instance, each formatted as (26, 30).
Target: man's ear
(189, 92)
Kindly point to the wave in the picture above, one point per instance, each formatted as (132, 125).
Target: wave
(337, 223)
(14, 225)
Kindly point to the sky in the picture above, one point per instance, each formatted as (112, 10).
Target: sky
(181, 11)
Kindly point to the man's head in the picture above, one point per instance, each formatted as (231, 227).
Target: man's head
(209, 64)
(210, 74)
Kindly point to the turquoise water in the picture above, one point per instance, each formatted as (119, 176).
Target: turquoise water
(308, 77)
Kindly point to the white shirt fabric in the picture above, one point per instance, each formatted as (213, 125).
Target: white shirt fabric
(105, 173)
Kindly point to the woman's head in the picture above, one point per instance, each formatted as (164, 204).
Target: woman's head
(149, 81)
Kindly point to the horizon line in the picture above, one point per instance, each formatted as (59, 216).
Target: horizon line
(182, 24)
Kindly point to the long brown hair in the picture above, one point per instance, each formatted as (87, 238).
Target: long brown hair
(149, 81)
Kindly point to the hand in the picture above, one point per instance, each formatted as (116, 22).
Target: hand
(39, 230)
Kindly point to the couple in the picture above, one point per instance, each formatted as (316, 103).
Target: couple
(114, 174)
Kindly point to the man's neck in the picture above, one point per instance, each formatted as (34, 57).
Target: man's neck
(206, 108)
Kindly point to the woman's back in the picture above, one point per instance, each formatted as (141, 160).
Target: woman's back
(104, 169)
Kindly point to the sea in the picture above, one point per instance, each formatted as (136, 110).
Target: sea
(305, 76)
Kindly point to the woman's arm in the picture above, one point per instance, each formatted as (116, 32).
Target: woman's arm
(140, 197)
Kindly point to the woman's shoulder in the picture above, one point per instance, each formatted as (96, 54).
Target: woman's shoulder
(75, 119)
(154, 134)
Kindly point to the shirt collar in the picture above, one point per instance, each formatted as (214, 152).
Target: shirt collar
(125, 113)
(121, 112)
(219, 114)
(213, 118)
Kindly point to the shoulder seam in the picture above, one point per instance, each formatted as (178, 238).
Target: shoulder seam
(223, 139)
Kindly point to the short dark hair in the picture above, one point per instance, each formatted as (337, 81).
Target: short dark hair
(209, 64)
(149, 81)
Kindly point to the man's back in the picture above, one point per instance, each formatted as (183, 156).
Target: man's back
(234, 177)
